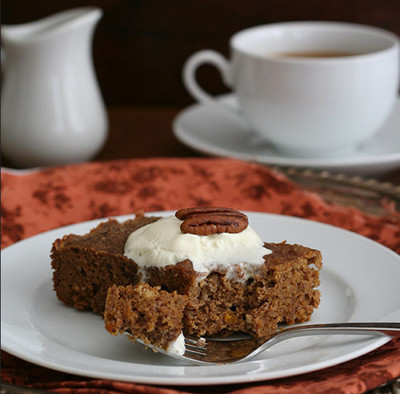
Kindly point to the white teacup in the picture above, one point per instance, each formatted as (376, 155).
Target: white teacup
(310, 88)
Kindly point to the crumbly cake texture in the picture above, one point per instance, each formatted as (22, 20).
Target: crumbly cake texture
(145, 312)
(283, 289)
(84, 267)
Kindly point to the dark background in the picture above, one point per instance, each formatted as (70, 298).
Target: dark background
(140, 45)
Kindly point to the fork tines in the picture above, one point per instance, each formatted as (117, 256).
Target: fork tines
(196, 346)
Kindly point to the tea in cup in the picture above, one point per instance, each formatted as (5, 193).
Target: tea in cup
(312, 89)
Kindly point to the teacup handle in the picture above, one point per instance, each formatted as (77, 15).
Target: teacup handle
(189, 79)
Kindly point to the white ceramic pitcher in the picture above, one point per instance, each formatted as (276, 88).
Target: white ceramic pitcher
(52, 111)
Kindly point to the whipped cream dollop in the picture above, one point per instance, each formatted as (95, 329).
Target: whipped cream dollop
(178, 346)
(162, 243)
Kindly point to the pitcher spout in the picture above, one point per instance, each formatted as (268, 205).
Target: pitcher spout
(51, 25)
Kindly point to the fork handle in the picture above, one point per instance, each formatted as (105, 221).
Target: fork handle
(388, 329)
(385, 328)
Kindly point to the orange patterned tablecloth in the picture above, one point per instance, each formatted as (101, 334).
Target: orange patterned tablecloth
(41, 200)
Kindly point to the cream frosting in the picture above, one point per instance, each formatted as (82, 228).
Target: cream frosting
(162, 243)
(178, 346)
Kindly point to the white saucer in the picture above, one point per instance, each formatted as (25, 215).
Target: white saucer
(209, 130)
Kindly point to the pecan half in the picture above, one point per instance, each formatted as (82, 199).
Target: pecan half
(211, 220)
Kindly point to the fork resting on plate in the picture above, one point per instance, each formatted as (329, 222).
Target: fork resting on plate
(229, 350)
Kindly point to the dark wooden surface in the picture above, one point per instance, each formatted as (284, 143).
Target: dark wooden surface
(140, 46)
(142, 132)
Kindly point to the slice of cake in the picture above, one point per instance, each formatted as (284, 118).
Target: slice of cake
(147, 313)
(231, 280)
(84, 267)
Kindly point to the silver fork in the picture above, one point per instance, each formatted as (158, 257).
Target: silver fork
(229, 350)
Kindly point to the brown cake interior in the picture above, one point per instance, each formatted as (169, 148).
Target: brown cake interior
(283, 290)
(84, 267)
(145, 312)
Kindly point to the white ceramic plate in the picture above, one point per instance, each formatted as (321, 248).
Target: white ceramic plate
(211, 131)
(360, 281)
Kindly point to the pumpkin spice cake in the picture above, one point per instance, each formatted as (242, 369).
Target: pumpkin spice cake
(201, 272)
(147, 313)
